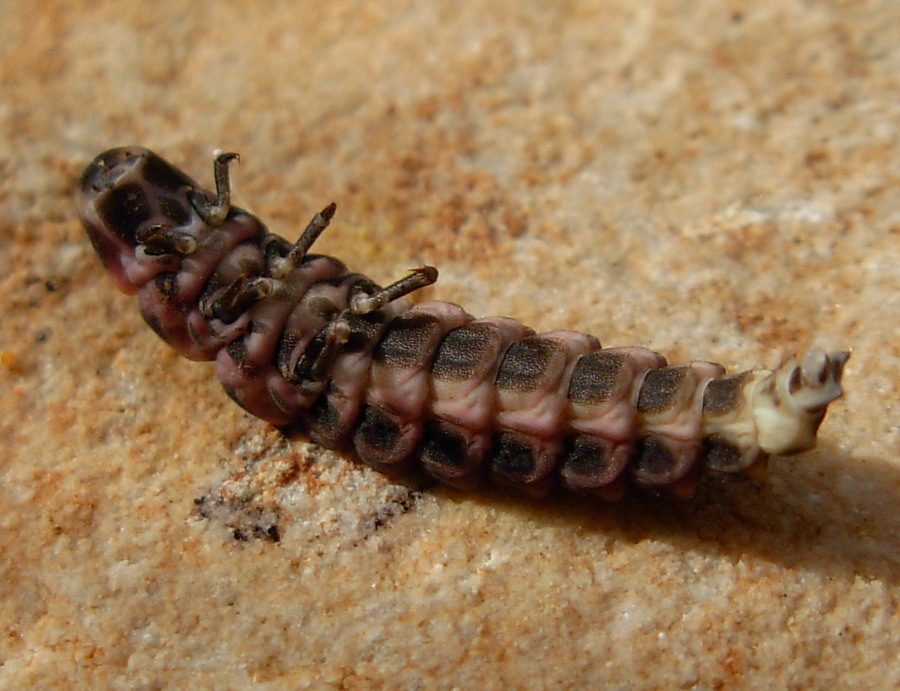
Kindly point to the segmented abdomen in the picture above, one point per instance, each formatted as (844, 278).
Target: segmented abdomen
(298, 340)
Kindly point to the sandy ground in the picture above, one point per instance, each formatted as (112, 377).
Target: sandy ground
(715, 180)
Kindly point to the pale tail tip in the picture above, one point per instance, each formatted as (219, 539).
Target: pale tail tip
(817, 381)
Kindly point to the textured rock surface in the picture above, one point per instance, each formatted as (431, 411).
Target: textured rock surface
(713, 180)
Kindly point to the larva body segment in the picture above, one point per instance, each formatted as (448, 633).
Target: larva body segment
(298, 340)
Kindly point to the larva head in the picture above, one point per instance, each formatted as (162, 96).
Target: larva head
(790, 403)
(122, 192)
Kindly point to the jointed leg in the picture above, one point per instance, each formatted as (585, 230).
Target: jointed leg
(214, 212)
(316, 226)
(363, 303)
(161, 239)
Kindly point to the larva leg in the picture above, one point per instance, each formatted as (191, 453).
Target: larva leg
(362, 302)
(282, 266)
(214, 212)
(238, 297)
(333, 415)
(334, 336)
(364, 299)
(161, 239)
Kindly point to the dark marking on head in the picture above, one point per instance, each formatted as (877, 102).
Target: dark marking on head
(462, 352)
(108, 168)
(525, 364)
(659, 389)
(724, 394)
(103, 245)
(124, 209)
(595, 377)
(407, 339)
(161, 174)
(174, 210)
